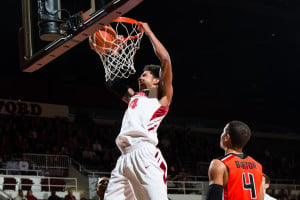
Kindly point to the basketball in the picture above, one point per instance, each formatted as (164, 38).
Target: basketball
(102, 40)
(116, 44)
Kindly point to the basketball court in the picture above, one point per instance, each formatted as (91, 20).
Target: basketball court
(50, 31)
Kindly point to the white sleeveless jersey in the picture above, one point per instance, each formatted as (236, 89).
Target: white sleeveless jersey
(141, 121)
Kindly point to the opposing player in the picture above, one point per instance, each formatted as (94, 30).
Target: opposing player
(266, 184)
(235, 175)
(141, 171)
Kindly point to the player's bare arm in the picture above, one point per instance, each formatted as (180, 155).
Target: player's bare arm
(217, 174)
(166, 88)
(261, 192)
(126, 97)
(119, 89)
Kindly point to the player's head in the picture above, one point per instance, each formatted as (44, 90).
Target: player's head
(236, 135)
(70, 192)
(29, 192)
(266, 181)
(20, 193)
(150, 77)
(101, 186)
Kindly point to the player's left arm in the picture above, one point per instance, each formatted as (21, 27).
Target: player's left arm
(216, 173)
(166, 88)
(261, 192)
(121, 90)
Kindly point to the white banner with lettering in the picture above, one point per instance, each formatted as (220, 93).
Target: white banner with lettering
(32, 109)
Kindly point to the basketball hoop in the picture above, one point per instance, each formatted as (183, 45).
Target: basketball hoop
(116, 44)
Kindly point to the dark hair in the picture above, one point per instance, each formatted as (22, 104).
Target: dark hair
(239, 133)
(154, 69)
(267, 179)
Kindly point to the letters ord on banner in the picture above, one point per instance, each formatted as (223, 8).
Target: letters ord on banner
(32, 109)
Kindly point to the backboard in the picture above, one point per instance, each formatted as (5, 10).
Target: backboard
(37, 48)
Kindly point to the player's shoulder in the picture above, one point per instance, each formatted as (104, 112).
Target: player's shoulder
(216, 165)
(227, 157)
(139, 94)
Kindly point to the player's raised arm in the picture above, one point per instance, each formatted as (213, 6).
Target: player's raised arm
(166, 88)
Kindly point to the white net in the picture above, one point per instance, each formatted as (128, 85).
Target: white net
(118, 56)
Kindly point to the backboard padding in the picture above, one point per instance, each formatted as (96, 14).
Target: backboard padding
(56, 48)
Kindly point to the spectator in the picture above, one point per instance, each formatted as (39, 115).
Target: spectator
(274, 194)
(88, 155)
(97, 147)
(12, 165)
(283, 195)
(1, 161)
(30, 196)
(54, 196)
(187, 186)
(23, 165)
(16, 133)
(172, 176)
(20, 195)
(291, 195)
(70, 195)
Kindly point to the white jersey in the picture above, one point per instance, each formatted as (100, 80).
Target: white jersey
(141, 121)
(268, 197)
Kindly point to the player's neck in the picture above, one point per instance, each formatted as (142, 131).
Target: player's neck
(234, 151)
(151, 92)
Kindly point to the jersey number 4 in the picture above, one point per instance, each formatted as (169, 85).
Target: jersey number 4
(250, 185)
(133, 103)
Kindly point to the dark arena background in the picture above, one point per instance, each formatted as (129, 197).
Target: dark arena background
(232, 60)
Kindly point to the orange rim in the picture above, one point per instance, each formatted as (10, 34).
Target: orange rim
(129, 21)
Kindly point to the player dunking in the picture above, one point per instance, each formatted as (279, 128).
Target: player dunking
(140, 172)
(235, 176)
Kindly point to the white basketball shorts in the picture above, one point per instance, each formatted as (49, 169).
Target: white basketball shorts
(140, 174)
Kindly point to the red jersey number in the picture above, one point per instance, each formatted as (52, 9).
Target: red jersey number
(133, 104)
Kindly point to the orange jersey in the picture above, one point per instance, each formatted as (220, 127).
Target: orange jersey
(245, 177)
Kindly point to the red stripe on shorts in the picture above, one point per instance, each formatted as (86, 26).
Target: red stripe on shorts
(164, 168)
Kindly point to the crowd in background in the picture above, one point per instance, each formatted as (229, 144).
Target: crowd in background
(30, 196)
(186, 151)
